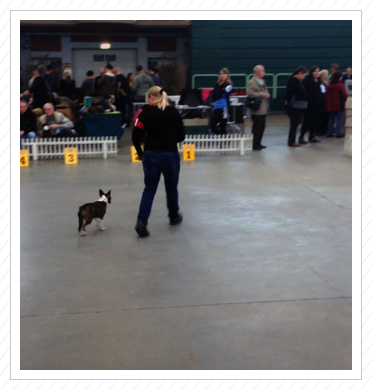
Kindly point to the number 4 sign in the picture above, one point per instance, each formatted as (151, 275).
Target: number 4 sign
(189, 152)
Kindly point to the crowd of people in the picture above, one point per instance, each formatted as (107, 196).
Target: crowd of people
(312, 97)
(111, 90)
(315, 99)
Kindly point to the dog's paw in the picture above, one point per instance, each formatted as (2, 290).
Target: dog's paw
(102, 227)
(83, 233)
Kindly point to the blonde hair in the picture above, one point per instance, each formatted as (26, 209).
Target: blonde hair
(323, 72)
(161, 97)
(226, 71)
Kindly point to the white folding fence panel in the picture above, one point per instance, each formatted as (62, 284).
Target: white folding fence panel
(229, 143)
(90, 147)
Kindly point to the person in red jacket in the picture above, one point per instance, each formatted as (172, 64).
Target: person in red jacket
(336, 98)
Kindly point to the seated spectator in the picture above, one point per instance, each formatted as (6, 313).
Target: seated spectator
(99, 104)
(28, 122)
(54, 124)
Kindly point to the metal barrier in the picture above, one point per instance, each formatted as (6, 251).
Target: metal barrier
(86, 147)
(219, 144)
(274, 87)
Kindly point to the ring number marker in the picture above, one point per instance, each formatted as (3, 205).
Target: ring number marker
(189, 152)
(134, 155)
(24, 158)
(71, 156)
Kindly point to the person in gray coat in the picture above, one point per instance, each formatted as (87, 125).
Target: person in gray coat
(141, 84)
(256, 89)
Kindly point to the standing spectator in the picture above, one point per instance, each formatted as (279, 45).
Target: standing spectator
(163, 126)
(87, 86)
(153, 73)
(35, 74)
(28, 123)
(221, 98)
(55, 124)
(107, 83)
(67, 86)
(336, 98)
(98, 78)
(334, 68)
(256, 89)
(347, 75)
(296, 102)
(323, 120)
(23, 84)
(315, 90)
(121, 82)
(128, 99)
(141, 84)
(51, 80)
(38, 89)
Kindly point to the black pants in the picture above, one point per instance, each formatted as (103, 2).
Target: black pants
(295, 119)
(120, 106)
(218, 122)
(323, 123)
(311, 120)
(258, 129)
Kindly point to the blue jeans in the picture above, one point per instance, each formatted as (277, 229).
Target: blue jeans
(339, 116)
(31, 134)
(154, 164)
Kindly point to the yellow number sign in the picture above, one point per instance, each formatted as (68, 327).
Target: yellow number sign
(189, 152)
(71, 156)
(24, 158)
(134, 155)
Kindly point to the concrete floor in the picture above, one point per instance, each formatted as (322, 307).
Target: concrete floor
(257, 277)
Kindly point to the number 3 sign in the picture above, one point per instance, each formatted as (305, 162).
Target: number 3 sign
(70, 156)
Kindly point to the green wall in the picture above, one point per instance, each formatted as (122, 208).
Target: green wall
(280, 45)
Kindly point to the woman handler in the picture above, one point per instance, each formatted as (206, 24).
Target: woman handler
(164, 128)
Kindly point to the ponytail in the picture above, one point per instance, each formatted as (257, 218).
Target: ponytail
(161, 97)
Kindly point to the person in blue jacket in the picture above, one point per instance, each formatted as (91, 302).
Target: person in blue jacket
(221, 99)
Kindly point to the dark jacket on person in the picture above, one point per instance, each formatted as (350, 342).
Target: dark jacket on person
(28, 121)
(107, 85)
(336, 96)
(40, 92)
(316, 91)
(87, 88)
(52, 82)
(163, 128)
(219, 92)
(67, 88)
(102, 103)
(295, 90)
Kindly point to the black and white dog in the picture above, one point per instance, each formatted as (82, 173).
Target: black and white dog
(96, 210)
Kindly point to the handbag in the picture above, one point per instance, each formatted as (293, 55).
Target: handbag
(253, 104)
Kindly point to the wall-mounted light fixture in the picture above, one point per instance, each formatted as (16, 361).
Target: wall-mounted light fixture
(105, 46)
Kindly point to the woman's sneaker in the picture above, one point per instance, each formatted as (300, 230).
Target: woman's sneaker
(177, 220)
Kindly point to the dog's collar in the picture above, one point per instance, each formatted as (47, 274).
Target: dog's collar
(103, 199)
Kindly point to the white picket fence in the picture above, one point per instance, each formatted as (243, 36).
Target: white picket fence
(219, 144)
(46, 148)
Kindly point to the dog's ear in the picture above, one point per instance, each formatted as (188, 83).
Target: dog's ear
(108, 194)
(101, 193)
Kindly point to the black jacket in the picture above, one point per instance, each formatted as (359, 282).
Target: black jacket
(28, 121)
(40, 92)
(316, 91)
(295, 89)
(163, 128)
